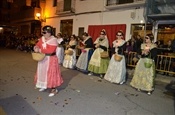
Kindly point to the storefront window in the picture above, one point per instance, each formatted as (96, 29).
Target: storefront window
(166, 32)
(139, 29)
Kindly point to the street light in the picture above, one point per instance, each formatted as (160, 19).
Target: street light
(38, 15)
(1, 29)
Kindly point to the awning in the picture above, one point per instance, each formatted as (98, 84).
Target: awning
(162, 17)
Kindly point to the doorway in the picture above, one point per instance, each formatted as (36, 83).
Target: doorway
(66, 27)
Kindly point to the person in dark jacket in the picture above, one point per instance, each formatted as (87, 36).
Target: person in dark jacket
(116, 72)
(87, 48)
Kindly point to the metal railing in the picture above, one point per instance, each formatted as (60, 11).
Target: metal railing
(131, 59)
(165, 63)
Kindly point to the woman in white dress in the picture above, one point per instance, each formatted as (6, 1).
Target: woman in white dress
(87, 50)
(60, 49)
(116, 72)
(70, 59)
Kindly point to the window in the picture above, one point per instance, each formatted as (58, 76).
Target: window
(112, 2)
(54, 3)
(125, 1)
(67, 5)
(139, 29)
(80, 31)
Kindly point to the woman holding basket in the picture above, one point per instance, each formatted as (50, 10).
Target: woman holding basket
(86, 53)
(116, 72)
(99, 61)
(144, 74)
(70, 53)
(48, 73)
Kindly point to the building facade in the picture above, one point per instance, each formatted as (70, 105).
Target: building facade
(82, 13)
(76, 16)
(21, 14)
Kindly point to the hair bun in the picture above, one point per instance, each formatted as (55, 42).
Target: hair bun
(104, 31)
(85, 34)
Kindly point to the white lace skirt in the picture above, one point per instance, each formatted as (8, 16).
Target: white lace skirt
(70, 60)
(116, 72)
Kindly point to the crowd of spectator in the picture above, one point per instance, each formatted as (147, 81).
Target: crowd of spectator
(163, 47)
(26, 43)
(23, 43)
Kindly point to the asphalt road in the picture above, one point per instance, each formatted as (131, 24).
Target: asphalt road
(79, 95)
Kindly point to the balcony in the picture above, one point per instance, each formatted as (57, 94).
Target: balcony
(120, 4)
(65, 7)
(25, 15)
(4, 17)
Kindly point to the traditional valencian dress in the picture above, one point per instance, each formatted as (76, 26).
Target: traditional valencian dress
(116, 72)
(143, 78)
(60, 51)
(85, 55)
(48, 73)
(70, 60)
(97, 64)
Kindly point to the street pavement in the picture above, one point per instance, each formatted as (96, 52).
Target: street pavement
(80, 94)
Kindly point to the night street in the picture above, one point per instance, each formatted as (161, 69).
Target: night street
(80, 94)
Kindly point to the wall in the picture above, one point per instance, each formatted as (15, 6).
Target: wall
(109, 18)
(124, 17)
(49, 9)
(89, 5)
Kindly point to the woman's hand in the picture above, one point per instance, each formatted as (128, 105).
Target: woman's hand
(68, 46)
(36, 49)
(97, 45)
(145, 51)
(79, 47)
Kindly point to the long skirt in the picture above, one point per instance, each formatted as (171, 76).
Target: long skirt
(143, 78)
(116, 72)
(60, 54)
(48, 73)
(83, 60)
(102, 68)
(70, 60)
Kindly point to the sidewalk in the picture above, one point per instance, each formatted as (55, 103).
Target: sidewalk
(160, 79)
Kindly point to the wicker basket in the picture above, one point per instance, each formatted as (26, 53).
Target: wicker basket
(38, 56)
(104, 54)
(68, 52)
(117, 57)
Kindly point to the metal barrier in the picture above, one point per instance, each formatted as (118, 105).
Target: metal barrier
(164, 63)
(131, 59)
